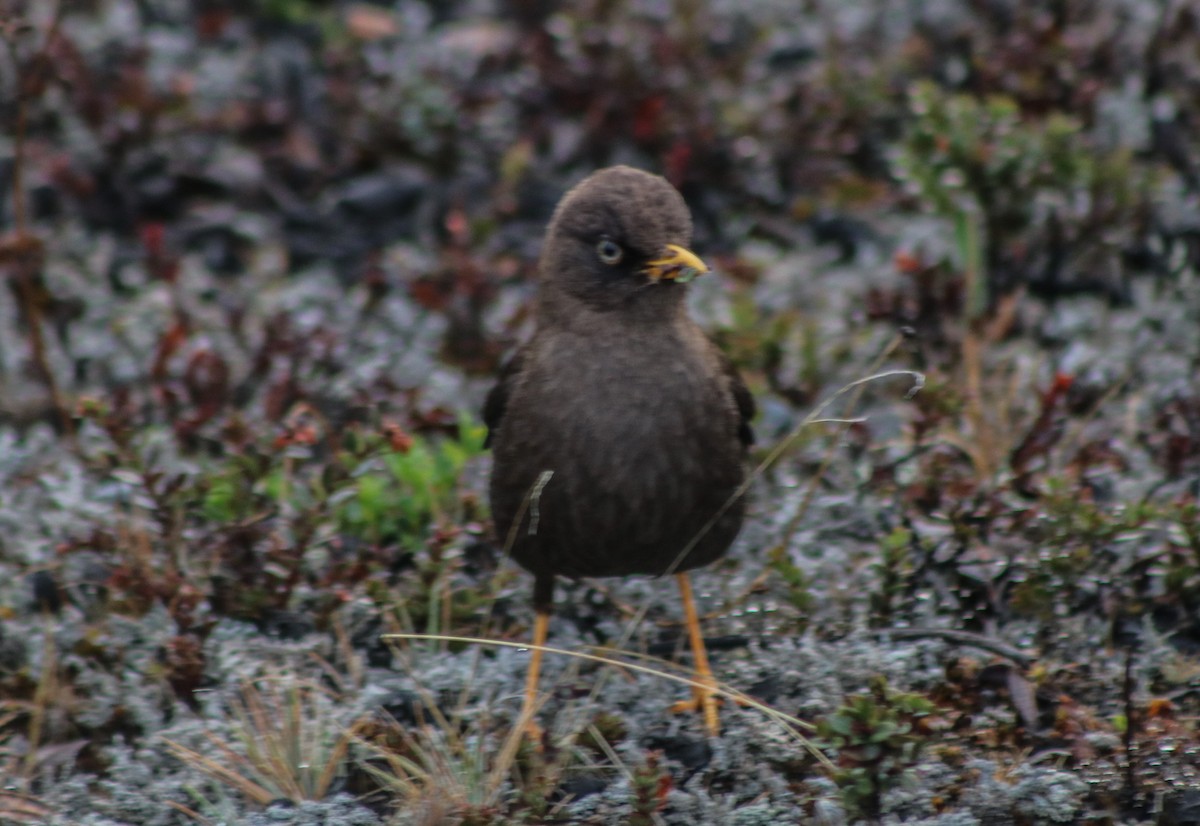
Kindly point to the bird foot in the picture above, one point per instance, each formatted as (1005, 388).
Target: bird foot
(702, 703)
(692, 706)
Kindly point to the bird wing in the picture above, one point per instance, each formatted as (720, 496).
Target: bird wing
(497, 397)
(742, 398)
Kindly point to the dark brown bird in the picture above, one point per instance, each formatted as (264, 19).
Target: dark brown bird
(620, 430)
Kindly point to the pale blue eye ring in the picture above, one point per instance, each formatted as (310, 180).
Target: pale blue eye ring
(609, 252)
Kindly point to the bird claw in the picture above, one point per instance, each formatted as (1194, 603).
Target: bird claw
(703, 703)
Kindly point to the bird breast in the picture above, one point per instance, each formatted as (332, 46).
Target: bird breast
(636, 420)
(641, 444)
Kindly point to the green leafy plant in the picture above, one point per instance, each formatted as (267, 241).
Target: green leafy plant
(289, 505)
(1024, 195)
(398, 494)
(1182, 578)
(894, 567)
(1076, 538)
(877, 741)
(993, 172)
(651, 783)
(795, 581)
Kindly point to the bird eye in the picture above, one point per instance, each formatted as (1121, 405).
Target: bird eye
(610, 252)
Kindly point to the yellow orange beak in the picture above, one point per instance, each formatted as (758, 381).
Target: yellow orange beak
(676, 264)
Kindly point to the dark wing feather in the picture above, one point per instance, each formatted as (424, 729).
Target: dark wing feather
(742, 398)
(497, 397)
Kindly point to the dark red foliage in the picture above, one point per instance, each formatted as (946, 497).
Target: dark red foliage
(183, 662)
(1046, 429)
(1176, 436)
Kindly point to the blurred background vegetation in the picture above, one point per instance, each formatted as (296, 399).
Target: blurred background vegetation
(260, 261)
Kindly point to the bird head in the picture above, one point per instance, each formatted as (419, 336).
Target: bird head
(618, 240)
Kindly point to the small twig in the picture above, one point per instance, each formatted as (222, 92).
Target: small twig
(1127, 736)
(192, 813)
(983, 453)
(47, 685)
(967, 638)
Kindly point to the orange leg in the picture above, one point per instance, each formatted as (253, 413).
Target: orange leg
(706, 701)
(541, 627)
